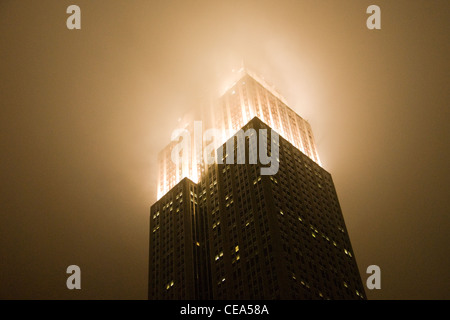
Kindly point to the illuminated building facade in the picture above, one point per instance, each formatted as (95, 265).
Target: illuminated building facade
(245, 99)
(236, 234)
(249, 98)
(170, 172)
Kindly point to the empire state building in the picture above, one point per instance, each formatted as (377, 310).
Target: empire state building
(225, 231)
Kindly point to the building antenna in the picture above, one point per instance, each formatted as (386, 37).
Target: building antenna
(243, 66)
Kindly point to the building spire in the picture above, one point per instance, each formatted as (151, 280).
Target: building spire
(243, 65)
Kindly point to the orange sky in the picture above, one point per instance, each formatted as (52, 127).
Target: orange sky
(84, 113)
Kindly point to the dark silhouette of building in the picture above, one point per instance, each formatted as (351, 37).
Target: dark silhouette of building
(238, 234)
(178, 262)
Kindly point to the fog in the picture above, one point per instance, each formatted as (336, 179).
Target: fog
(85, 112)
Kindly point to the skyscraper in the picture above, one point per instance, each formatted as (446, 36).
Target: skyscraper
(235, 233)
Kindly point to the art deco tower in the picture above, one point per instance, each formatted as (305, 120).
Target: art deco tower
(226, 231)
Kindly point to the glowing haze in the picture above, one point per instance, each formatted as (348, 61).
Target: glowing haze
(84, 114)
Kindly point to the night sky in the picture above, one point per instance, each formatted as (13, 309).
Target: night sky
(85, 112)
